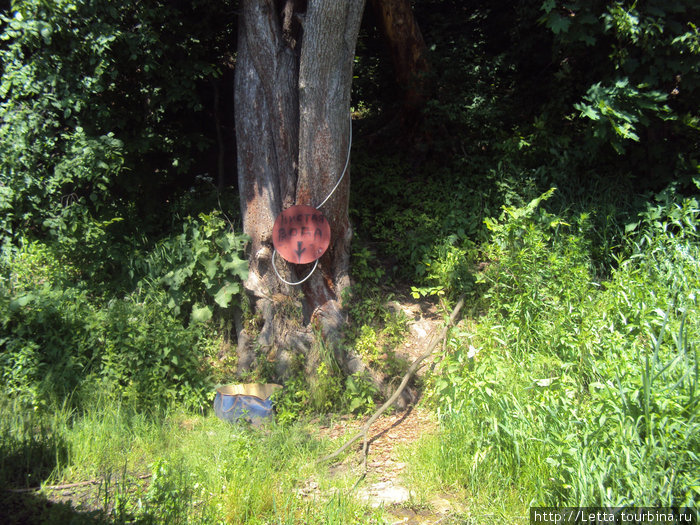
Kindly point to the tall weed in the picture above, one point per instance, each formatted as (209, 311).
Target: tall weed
(57, 338)
(173, 467)
(577, 392)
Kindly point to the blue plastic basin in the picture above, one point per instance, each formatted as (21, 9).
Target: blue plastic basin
(247, 402)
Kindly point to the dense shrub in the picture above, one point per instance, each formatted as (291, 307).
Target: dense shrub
(56, 337)
(579, 392)
(102, 118)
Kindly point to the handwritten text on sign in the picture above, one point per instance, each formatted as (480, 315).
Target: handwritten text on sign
(301, 234)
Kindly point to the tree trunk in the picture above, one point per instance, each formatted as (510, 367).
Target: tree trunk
(409, 55)
(292, 98)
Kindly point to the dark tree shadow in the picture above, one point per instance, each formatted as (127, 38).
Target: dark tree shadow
(27, 457)
(29, 508)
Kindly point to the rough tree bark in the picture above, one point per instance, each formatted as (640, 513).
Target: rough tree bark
(409, 56)
(292, 103)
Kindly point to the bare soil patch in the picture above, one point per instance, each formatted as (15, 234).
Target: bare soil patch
(383, 484)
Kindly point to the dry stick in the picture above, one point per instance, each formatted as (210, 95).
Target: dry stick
(72, 485)
(397, 393)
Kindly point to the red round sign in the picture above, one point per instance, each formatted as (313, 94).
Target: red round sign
(301, 234)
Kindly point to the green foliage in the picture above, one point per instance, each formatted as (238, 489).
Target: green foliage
(424, 232)
(377, 323)
(619, 110)
(538, 266)
(202, 470)
(366, 267)
(644, 423)
(376, 329)
(292, 401)
(450, 265)
(99, 109)
(609, 90)
(578, 393)
(32, 444)
(643, 76)
(149, 356)
(56, 338)
(366, 344)
(326, 389)
(169, 495)
(199, 269)
(360, 394)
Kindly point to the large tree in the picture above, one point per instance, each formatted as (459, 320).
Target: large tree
(292, 103)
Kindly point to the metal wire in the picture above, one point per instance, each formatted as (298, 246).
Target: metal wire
(347, 161)
(274, 252)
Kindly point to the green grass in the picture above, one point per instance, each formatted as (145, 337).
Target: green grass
(569, 390)
(201, 469)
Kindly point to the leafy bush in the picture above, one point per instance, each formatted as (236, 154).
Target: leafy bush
(55, 338)
(360, 394)
(324, 389)
(88, 94)
(376, 329)
(627, 97)
(619, 110)
(199, 269)
(450, 266)
(578, 393)
(366, 344)
(292, 401)
(169, 495)
(538, 275)
(422, 231)
(148, 356)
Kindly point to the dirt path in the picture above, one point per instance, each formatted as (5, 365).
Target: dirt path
(384, 484)
(387, 434)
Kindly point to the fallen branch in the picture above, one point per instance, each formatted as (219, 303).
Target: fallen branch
(72, 485)
(407, 376)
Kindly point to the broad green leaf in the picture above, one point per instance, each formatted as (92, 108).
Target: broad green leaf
(491, 223)
(210, 266)
(588, 111)
(559, 24)
(237, 266)
(548, 5)
(201, 314)
(223, 296)
(20, 302)
(631, 226)
(46, 34)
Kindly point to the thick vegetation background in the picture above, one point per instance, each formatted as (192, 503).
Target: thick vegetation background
(552, 177)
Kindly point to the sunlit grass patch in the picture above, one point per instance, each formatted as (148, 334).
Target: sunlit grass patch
(177, 467)
(574, 392)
